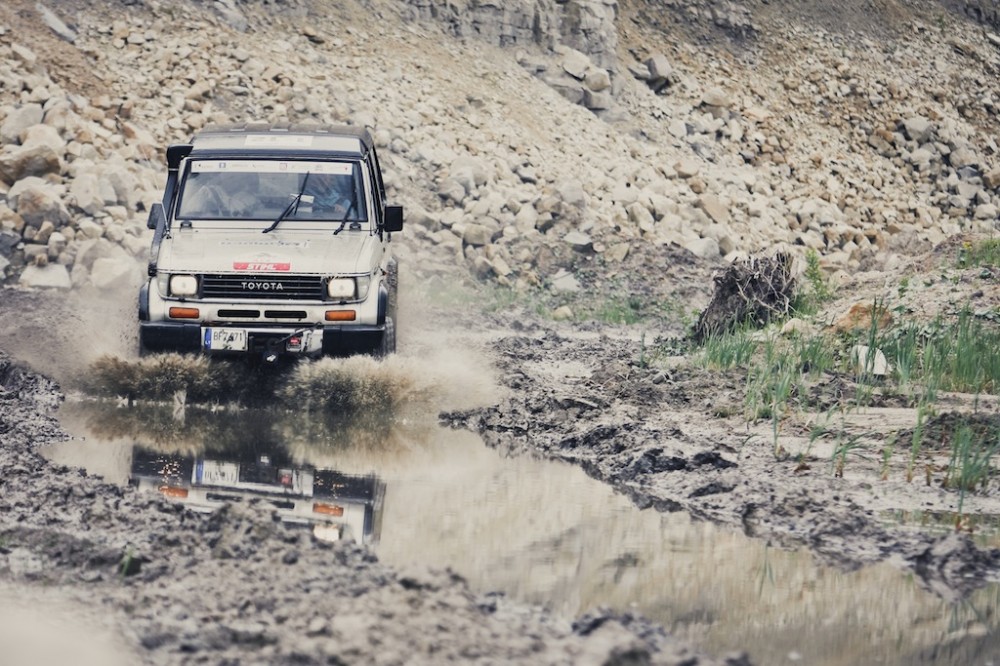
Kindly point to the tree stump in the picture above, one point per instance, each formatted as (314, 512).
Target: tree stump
(750, 292)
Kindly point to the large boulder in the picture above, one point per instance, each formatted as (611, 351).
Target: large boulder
(48, 276)
(33, 159)
(18, 120)
(38, 203)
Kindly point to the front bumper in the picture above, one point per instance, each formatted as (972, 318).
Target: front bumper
(339, 340)
(158, 334)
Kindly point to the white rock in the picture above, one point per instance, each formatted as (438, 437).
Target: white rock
(562, 313)
(85, 192)
(477, 235)
(579, 241)
(659, 68)
(34, 159)
(716, 97)
(19, 120)
(597, 80)
(869, 361)
(565, 282)
(45, 135)
(687, 167)
(575, 63)
(706, 248)
(49, 276)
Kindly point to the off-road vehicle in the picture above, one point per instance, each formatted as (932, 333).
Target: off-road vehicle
(272, 240)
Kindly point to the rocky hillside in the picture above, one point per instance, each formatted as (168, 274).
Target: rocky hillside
(527, 139)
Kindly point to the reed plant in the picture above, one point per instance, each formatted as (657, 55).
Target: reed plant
(722, 351)
(971, 461)
(962, 354)
(815, 355)
(916, 442)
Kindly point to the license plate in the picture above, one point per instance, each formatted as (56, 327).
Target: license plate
(225, 339)
(215, 473)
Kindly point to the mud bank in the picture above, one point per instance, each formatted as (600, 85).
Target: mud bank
(659, 434)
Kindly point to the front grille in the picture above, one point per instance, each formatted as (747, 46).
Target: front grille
(263, 287)
(285, 314)
(239, 314)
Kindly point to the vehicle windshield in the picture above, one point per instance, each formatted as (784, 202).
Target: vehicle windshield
(265, 189)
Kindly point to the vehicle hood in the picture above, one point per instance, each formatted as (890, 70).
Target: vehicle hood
(228, 251)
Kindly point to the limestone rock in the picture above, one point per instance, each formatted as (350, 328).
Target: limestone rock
(49, 276)
(477, 235)
(706, 248)
(687, 168)
(562, 313)
(39, 203)
(992, 179)
(575, 63)
(37, 159)
(919, 129)
(870, 361)
(716, 209)
(716, 97)
(579, 241)
(565, 282)
(18, 120)
(597, 101)
(963, 157)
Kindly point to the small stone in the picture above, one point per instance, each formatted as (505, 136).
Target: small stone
(687, 168)
(706, 248)
(579, 241)
(562, 313)
(716, 97)
(659, 68)
(565, 282)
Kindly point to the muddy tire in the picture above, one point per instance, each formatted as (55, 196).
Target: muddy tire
(388, 344)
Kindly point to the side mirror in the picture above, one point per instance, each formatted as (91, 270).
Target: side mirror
(156, 216)
(393, 218)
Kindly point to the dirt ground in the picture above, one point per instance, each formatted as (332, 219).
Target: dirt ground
(150, 582)
(635, 411)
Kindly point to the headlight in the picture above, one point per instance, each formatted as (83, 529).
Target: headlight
(340, 288)
(183, 285)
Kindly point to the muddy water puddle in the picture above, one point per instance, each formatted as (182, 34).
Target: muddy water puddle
(540, 532)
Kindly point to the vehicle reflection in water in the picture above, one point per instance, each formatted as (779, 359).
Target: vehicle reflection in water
(333, 504)
(207, 459)
(545, 533)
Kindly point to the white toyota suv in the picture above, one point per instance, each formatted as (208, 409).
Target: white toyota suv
(272, 240)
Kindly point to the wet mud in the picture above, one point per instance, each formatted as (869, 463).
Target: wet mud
(237, 585)
(662, 437)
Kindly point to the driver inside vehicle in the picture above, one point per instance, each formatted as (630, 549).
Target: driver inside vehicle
(332, 195)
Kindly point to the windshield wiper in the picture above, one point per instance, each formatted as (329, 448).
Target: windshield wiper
(293, 205)
(343, 220)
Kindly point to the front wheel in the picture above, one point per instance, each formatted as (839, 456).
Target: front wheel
(388, 344)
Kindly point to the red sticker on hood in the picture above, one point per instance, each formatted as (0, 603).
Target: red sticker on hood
(260, 266)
